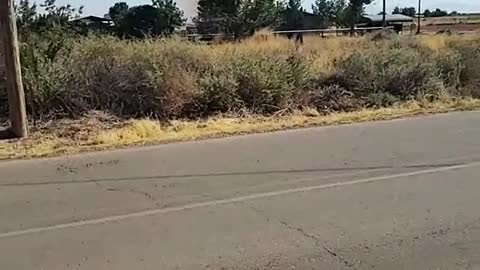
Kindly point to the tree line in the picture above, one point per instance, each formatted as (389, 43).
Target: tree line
(235, 17)
(162, 17)
(412, 12)
(243, 17)
(232, 17)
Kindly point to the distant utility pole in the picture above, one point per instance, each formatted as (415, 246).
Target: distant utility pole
(384, 21)
(419, 18)
(16, 95)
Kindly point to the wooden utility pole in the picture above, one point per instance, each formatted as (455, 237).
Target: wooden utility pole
(384, 21)
(16, 95)
(419, 28)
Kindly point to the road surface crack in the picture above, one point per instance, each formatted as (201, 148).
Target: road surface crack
(305, 234)
(327, 249)
(300, 230)
(340, 258)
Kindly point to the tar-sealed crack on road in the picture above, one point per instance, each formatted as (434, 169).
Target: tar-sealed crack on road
(318, 242)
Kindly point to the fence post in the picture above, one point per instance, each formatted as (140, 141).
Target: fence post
(16, 95)
(419, 27)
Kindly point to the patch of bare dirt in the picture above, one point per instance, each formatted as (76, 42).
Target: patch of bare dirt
(78, 129)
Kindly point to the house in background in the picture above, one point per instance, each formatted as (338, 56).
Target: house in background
(189, 31)
(94, 22)
(397, 21)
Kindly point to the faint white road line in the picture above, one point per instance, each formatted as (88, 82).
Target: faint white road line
(231, 200)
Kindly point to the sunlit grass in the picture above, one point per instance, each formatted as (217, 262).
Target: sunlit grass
(145, 131)
(148, 131)
(440, 42)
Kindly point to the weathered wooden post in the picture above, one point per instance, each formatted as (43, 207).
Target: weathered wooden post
(419, 27)
(13, 71)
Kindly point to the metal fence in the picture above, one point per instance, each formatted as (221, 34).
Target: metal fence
(358, 31)
(337, 31)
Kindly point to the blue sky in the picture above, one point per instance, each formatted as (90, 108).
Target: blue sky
(100, 7)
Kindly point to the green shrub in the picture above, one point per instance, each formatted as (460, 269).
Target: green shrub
(450, 65)
(218, 94)
(401, 73)
(470, 72)
(331, 98)
(44, 68)
(132, 79)
(268, 83)
(380, 99)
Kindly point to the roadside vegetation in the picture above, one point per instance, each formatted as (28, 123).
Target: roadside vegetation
(167, 89)
(169, 79)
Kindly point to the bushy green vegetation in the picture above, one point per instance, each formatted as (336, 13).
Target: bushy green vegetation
(171, 78)
(68, 72)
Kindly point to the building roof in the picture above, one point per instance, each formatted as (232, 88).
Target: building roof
(389, 18)
(306, 13)
(92, 19)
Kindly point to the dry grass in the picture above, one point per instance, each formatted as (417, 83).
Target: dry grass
(436, 43)
(91, 135)
(321, 52)
(170, 78)
(470, 19)
(442, 42)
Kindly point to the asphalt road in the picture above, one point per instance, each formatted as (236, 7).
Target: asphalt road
(388, 195)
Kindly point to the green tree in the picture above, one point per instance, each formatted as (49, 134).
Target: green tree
(30, 20)
(159, 19)
(58, 14)
(428, 13)
(324, 11)
(139, 21)
(407, 11)
(171, 17)
(26, 15)
(354, 12)
(118, 10)
(265, 13)
(209, 9)
(339, 9)
(293, 15)
(439, 13)
(329, 12)
(236, 17)
(256, 14)
(45, 32)
(217, 16)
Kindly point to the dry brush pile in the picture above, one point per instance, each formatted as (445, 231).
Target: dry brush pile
(171, 79)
